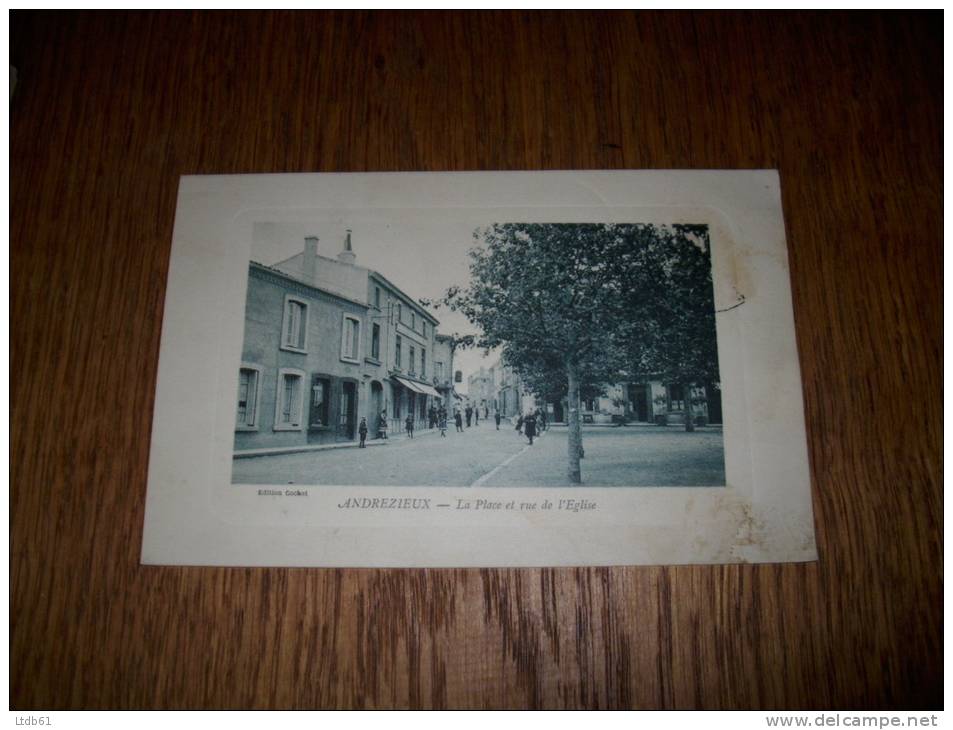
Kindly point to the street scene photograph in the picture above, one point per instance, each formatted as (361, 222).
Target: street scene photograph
(432, 348)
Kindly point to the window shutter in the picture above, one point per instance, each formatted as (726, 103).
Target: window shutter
(251, 397)
(295, 400)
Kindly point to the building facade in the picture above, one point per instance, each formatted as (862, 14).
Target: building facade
(481, 390)
(647, 400)
(300, 375)
(443, 351)
(328, 342)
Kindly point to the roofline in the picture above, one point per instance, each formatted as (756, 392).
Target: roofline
(384, 280)
(300, 282)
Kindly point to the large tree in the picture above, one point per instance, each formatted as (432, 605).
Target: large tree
(549, 295)
(673, 336)
(582, 303)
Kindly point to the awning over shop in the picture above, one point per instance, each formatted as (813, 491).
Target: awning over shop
(429, 390)
(409, 384)
(415, 387)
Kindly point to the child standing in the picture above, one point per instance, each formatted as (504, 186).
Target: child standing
(362, 430)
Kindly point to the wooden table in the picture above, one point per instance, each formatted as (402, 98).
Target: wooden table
(112, 108)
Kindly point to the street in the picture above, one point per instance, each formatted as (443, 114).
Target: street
(637, 456)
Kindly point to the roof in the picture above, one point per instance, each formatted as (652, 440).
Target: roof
(371, 272)
(285, 275)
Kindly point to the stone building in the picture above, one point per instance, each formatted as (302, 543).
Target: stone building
(647, 400)
(355, 342)
(301, 372)
(481, 390)
(443, 351)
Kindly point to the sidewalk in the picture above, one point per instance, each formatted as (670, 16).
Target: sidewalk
(305, 448)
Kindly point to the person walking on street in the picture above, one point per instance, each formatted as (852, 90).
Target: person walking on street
(469, 413)
(476, 415)
(519, 424)
(458, 420)
(529, 427)
(362, 430)
(496, 416)
(409, 425)
(443, 424)
(382, 425)
(542, 420)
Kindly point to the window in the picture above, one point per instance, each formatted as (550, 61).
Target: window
(400, 313)
(377, 297)
(424, 322)
(350, 338)
(413, 321)
(423, 363)
(397, 353)
(438, 370)
(294, 328)
(248, 385)
(411, 361)
(288, 404)
(320, 402)
(376, 342)
(676, 398)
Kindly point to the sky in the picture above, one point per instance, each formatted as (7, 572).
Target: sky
(422, 251)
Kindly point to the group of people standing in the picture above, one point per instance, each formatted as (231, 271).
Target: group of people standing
(530, 424)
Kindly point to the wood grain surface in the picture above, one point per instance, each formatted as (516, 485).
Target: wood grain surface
(112, 108)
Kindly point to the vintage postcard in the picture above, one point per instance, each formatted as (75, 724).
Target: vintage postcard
(479, 369)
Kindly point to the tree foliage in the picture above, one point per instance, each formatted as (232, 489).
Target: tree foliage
(576, 306)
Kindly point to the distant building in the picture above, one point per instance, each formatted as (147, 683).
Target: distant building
(443, 352)
(509, 394)
(328, 342)
(647, 400)
(481, 389)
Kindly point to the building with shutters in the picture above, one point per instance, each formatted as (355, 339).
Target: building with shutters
(301, 371)
(328, 342)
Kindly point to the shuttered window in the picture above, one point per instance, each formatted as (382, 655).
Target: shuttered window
(289, 401)
(247, 411)
(295, 326)
(351, 338)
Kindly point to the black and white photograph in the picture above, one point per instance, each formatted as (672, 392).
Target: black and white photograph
(471, 369)
(467, 350)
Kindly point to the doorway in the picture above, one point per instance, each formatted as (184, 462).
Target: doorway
(347, 422)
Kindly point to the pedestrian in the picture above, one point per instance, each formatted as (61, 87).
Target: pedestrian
(458, 420)
(529, 427)
(382, 425)
(519, 423)
(469, 412)
(496, 416)
(409, 425)
(443, 424)
(476, 415)
(486, 412)
(362, 430)
(543, 420)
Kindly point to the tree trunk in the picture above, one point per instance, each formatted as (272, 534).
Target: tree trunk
(689, 416)
(575, 428)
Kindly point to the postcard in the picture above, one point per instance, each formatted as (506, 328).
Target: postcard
(479, 369)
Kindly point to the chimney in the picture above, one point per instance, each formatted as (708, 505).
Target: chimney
(310, 268)
(347, 255)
